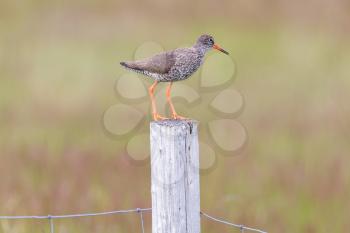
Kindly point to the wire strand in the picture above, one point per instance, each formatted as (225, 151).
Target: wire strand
(142, 225)
(75, 215)
(137, 210)
(241, 227)
(52, 229)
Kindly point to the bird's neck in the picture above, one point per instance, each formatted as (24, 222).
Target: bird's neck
(200, 49)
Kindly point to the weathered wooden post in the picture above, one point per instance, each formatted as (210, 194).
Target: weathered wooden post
(175, 176)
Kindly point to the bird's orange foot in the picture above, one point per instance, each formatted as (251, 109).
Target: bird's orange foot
(158, 117)
(178, 117)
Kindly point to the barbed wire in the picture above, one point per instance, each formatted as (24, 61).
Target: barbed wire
(140, 211)
(76, 215)
(241, 227)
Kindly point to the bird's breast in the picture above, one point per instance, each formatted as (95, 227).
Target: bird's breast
(185, 66)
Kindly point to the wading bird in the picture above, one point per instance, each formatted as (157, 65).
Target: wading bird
(171, 66)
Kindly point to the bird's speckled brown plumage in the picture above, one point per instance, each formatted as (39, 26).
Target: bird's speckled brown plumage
(171, 66)
(175, 65)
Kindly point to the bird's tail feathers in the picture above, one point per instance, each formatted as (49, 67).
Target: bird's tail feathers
(123, 63)
(131, 65)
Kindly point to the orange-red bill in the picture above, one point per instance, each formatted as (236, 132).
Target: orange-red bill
(217, 47)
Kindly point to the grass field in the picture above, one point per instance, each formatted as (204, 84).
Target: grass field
(58, 66)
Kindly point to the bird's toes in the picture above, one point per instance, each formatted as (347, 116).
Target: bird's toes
(178, 117)
(158, 117)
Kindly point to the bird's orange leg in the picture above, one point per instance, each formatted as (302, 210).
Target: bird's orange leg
(155, 114)
(173, 112)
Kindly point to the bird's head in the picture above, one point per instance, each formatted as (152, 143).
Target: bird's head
(206, 42)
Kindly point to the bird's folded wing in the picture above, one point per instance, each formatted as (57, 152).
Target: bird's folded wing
(160, 63)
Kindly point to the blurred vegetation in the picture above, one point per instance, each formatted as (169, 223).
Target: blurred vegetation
(58, 64)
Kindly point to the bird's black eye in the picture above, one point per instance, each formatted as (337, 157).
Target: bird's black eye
(211, 40)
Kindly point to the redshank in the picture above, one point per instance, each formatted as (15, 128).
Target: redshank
(171, 66)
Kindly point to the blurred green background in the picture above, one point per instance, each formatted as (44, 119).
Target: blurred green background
(58, 64)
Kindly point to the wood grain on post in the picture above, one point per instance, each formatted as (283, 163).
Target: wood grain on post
(175, 177)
